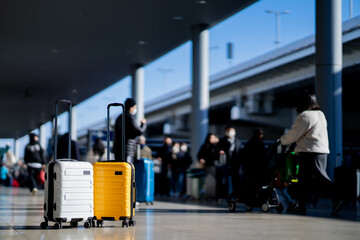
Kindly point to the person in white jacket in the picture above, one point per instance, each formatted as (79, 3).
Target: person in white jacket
(312, 145)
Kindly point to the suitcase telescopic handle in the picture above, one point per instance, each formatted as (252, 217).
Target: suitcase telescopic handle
(122, 129)
(56, 126)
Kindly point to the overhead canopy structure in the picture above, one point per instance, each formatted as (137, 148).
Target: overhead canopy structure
(73, 49)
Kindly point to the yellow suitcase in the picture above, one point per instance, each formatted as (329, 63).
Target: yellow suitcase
(114, 192)
(114, 187)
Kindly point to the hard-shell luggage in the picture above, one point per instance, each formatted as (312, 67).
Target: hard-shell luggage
(144, 177)
(114, 185)
(68, 187)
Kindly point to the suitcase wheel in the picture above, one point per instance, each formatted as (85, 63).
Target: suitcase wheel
(99, 223)
(87, 225)
(125, 224)
(43, 225)
(132, 223)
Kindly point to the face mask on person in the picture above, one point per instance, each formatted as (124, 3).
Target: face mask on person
(134, 112)
(176, 149)
(183, 148)
(231, 134)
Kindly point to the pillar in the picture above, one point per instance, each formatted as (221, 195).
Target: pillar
(17, 149)
(137, 89)
(73, 124)
(200, 86)
(42, 136)
(328, 83)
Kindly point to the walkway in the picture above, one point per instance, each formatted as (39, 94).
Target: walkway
(21, 214)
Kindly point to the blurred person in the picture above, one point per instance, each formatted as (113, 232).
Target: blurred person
(209, 151)
(175, 166)
(254, 160)
(132, 130)
(185, 161)
(3, 150)
(34, 159)
(230, 146)
(98, 149)
(10, 159)
(5, 176)
(63, 145)
(165, 156)
(309, 131)
(20, 173)
(145, 150)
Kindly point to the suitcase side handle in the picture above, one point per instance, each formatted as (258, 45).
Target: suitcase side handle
(122, 129)
(56, 126)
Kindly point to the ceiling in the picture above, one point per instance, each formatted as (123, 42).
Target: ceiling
(70, 49)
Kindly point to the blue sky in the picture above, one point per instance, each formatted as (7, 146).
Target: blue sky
(252, 32)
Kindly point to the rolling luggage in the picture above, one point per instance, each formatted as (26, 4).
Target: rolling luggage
(68, 187)
(144, 177)
(114, 185)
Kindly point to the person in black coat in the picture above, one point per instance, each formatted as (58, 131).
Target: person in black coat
(162, 181)
(180, 163)
(209, 152)
(231, 147)
(35, 160)
(132, 130)
(63, 145)
(254, 160)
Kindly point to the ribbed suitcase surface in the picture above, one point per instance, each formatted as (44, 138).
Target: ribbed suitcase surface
(114, 191)
(72, 189)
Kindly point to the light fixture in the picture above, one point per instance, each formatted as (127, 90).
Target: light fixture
(200, 2)
(178, 18)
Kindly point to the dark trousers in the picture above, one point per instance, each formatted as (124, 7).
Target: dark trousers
(313, 177)
(33, 174)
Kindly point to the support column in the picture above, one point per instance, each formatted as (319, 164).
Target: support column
(137, 89)
(42, 136)
(200, 87)
(74, 124)
(328, 83)
(17, 149)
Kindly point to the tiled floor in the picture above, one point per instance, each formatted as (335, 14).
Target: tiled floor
(21, 215)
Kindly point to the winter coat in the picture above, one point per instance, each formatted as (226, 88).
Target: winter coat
(210, 153)
(34, 153)
(63, 145)
(132, 130)
(309, 132)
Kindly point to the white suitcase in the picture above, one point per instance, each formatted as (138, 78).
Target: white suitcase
(69, 194)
